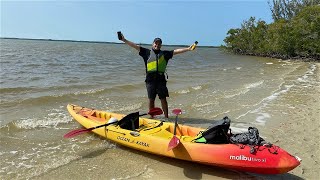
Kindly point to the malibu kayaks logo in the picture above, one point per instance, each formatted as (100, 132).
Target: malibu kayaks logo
(245, 158)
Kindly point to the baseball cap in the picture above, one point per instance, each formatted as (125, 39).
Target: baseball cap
(157, 39)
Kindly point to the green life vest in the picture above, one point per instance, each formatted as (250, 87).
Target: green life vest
(156, 63)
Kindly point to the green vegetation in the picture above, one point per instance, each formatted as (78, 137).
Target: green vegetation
(295, 32)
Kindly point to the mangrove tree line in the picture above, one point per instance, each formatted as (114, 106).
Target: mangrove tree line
(295, 32)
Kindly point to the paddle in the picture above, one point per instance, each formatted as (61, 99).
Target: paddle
(152, 112)
(174, 142)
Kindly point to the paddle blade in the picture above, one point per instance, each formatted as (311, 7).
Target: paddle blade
(155, 111)
(76, 132)
(177, 111)
(174, 142)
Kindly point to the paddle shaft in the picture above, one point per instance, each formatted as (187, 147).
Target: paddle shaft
(174, 142)
(102, 125)
(90, 129)
(175, 125)
(154, 111)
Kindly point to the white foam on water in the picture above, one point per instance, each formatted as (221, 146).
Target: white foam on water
(310, 72)
(45, 156)
(238, 68)
(186, 91)
(126, 108)
(54, 163)
(241, 92)
(261, 119)
(183, 91)
(204, 104)
(245, 89)
(269, 63)
(91, 91)
(35, 161)
(86, 140)
(261, 115)
(197, 87)
(254, 85)
(55, 117)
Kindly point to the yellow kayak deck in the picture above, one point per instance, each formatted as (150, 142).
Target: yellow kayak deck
(151, 135)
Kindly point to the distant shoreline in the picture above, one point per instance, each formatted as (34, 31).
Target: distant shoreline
(103, 42)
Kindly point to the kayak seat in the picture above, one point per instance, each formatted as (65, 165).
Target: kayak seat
(86, 112)
(216, 133)
(130, 121)
(146, 128)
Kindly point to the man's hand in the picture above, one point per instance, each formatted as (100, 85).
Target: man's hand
(122, 38)
(131, 44)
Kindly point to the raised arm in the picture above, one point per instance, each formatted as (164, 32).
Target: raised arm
(130, 43)
(182, 50)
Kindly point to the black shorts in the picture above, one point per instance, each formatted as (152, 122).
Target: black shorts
(155, 88)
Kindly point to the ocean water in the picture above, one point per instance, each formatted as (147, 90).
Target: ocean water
(39, 78)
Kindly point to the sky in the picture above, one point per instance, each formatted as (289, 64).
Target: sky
(176, 22)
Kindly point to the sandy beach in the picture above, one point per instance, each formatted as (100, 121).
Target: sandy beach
(300, 136)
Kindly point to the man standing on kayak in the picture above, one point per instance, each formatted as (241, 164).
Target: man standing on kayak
(156, 62)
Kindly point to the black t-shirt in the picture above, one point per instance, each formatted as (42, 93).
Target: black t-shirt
(145, 53)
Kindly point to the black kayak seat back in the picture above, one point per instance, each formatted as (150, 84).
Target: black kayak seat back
(130, 121)
(217, 132)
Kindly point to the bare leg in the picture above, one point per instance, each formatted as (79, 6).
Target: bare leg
(164, 105)
(151, 104)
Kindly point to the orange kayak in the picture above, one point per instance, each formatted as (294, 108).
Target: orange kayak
(153, 136)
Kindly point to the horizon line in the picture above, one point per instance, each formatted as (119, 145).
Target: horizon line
(106, 42)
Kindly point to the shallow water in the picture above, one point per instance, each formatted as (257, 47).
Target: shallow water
(39, 78)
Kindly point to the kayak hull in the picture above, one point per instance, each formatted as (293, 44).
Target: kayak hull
(153, 136)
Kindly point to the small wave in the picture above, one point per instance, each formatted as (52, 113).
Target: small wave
(309, 73)
(127, 108)
(51, 120)
(263, 116)
(197, 87)
(127, 87)
(204, 104)
(67, 96)
(42, 157)
(254, 85)
(247, 88)
(241, 92)
(90, 91)
(16, 90)
(29, 65)
(193, 88)
(185, 91)
(261, 119)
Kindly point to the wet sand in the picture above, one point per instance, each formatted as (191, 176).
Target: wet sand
(300, 136)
